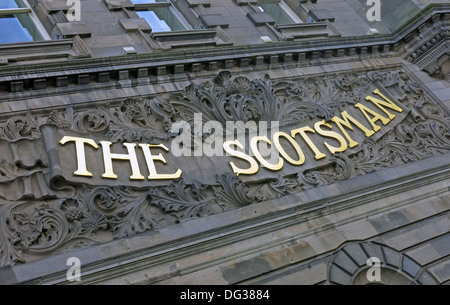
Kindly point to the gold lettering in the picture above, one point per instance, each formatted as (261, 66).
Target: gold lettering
(253, 169)
(81, 155)
(149, 158)
(302, 131)
(276, 142)
(331, 134)
(380, 104)
(346, 122)
(131, 156)
(376, 116)
(254, 146)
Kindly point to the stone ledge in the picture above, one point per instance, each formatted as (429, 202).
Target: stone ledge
(134, 24)
(56, 5)
(246, 2)
(195, 3)
(70, 29)
(118, 4)
(260, 19)
(321, 15)
(214, 20)
(194, 39)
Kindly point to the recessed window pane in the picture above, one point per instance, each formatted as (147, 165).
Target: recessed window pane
(12, 31)
(277, 13)
(161, 20)
(310, 20)
(28, 24)
(11, 4)
(157, 24)
(18, 28)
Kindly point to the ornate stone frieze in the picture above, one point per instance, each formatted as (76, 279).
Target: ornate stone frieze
(41, 215)
(431, 54)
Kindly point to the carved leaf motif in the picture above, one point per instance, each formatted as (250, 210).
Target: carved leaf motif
(314, 97)
(93, 120)
(197, 200)
(239, 99)
(8, 171)
(51, 226)
(276, 188)
(186, 201)
(63, 120)
(38, 231)
(137, 217)
(87, 122)
(233, 191)
(106, 200)
(23, 127)
(135, 121)
(387, 79)
(10, 238)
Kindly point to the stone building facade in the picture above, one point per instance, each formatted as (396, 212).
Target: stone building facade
(95, 94)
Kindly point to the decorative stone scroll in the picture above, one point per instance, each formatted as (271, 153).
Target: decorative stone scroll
(42, 213)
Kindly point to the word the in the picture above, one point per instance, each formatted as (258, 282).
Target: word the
(108, 158)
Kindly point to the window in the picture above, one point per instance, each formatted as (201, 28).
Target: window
(161, 15)
(18, 23)
(310, 20)
(279, 11)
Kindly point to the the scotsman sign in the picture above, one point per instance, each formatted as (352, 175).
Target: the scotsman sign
(248, 147)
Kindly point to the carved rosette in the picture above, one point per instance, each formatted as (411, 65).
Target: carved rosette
(41, 220)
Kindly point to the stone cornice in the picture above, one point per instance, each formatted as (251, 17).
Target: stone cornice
(17, 78)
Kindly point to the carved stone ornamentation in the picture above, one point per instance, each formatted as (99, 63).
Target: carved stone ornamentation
(58, 217)
(21, 127)
(38, 228)
(432, 54)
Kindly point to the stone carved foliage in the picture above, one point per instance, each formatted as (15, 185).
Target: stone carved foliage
(226, 98)
(91, 121)
(39, 228)
(42, 229)
(21, 127)
(34, 227)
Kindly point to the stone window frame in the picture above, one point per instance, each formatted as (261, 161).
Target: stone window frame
(31, 15)
(191, 37)
(284, 8)
(165, 4)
